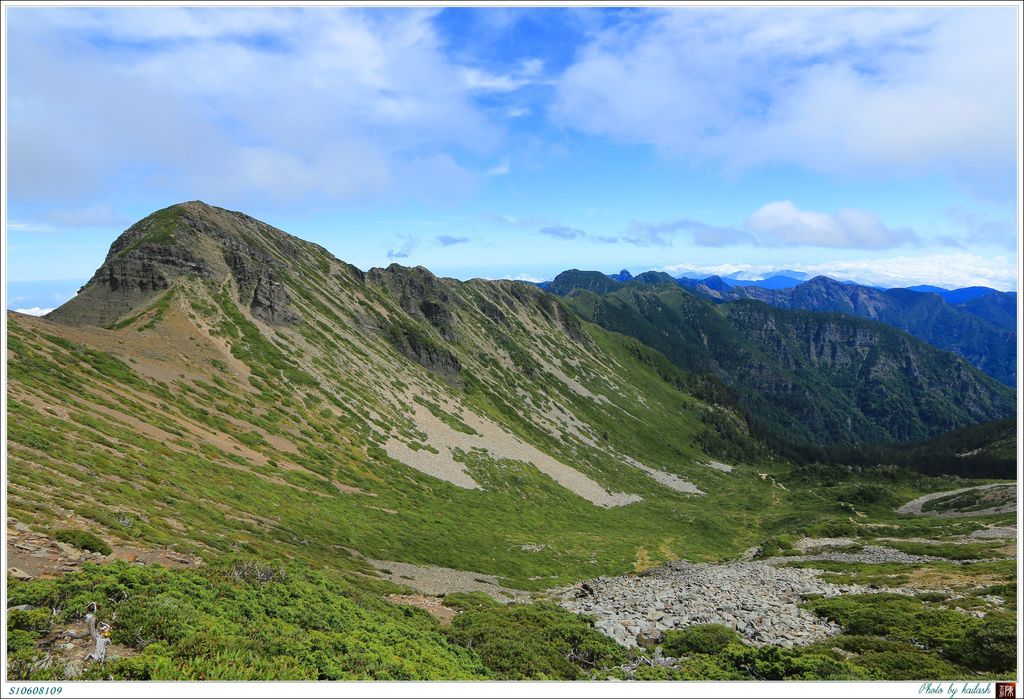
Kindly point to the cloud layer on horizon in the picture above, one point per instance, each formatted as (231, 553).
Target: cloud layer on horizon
(951, 270)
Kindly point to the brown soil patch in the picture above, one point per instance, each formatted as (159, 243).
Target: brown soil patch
(43, 557)
(431, 605)
(930, 579)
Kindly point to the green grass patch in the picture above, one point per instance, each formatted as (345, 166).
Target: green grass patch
(86, 541)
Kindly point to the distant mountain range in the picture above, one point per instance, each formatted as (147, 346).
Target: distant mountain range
(810, 377)
(978, 323)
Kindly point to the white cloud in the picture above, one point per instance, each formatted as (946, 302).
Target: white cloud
(743, 270)
(951, 270)
(362, 105)
(502, 168)
(870, 90)
(525, 278)
(782, 223)
(30, 227)
(476, 79)
(34, 311)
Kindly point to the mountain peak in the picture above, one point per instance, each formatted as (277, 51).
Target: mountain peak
(578, 279)
(190, 241)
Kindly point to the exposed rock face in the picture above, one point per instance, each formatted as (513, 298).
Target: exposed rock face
(188, 240)
(139, 267)
(420, 294)
(425, 297)
(257, 277)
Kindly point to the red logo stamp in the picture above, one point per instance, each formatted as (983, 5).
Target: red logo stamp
(1006, 690)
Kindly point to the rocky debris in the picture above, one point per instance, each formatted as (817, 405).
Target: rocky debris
(668, 480)
(757, 599)
(995, 533)
(68, 549)
(868, 554)
(435, 580)
(719, 466)
(806, 544)
(18, 574)
(915, 506)
(533, 548)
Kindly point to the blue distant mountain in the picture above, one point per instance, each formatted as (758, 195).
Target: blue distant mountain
(969, 293)
(928, 289)
(977, 322)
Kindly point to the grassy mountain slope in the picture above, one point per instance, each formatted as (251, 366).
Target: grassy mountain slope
(982, 331)
(221, 389)
(806, 377)
(249, 392)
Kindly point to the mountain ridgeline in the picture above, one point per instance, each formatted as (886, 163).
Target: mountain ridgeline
(804, 377)
(980, 326)
(259, 395)
(305, 443)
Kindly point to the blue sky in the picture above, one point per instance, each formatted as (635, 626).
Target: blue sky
(871, 143)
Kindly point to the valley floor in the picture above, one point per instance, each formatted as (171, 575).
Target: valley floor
(871, 602)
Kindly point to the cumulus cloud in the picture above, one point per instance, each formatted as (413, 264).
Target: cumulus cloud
(174, 101)
(836, 90)
(951, 270)
(782, 223)
(774, 224)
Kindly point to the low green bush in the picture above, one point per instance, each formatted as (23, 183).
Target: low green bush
(989, 645)
(709, 639)
(983, 645)
(539, 641)
(885, 659)
(864, 494)
(83, 540)
(225, 621)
